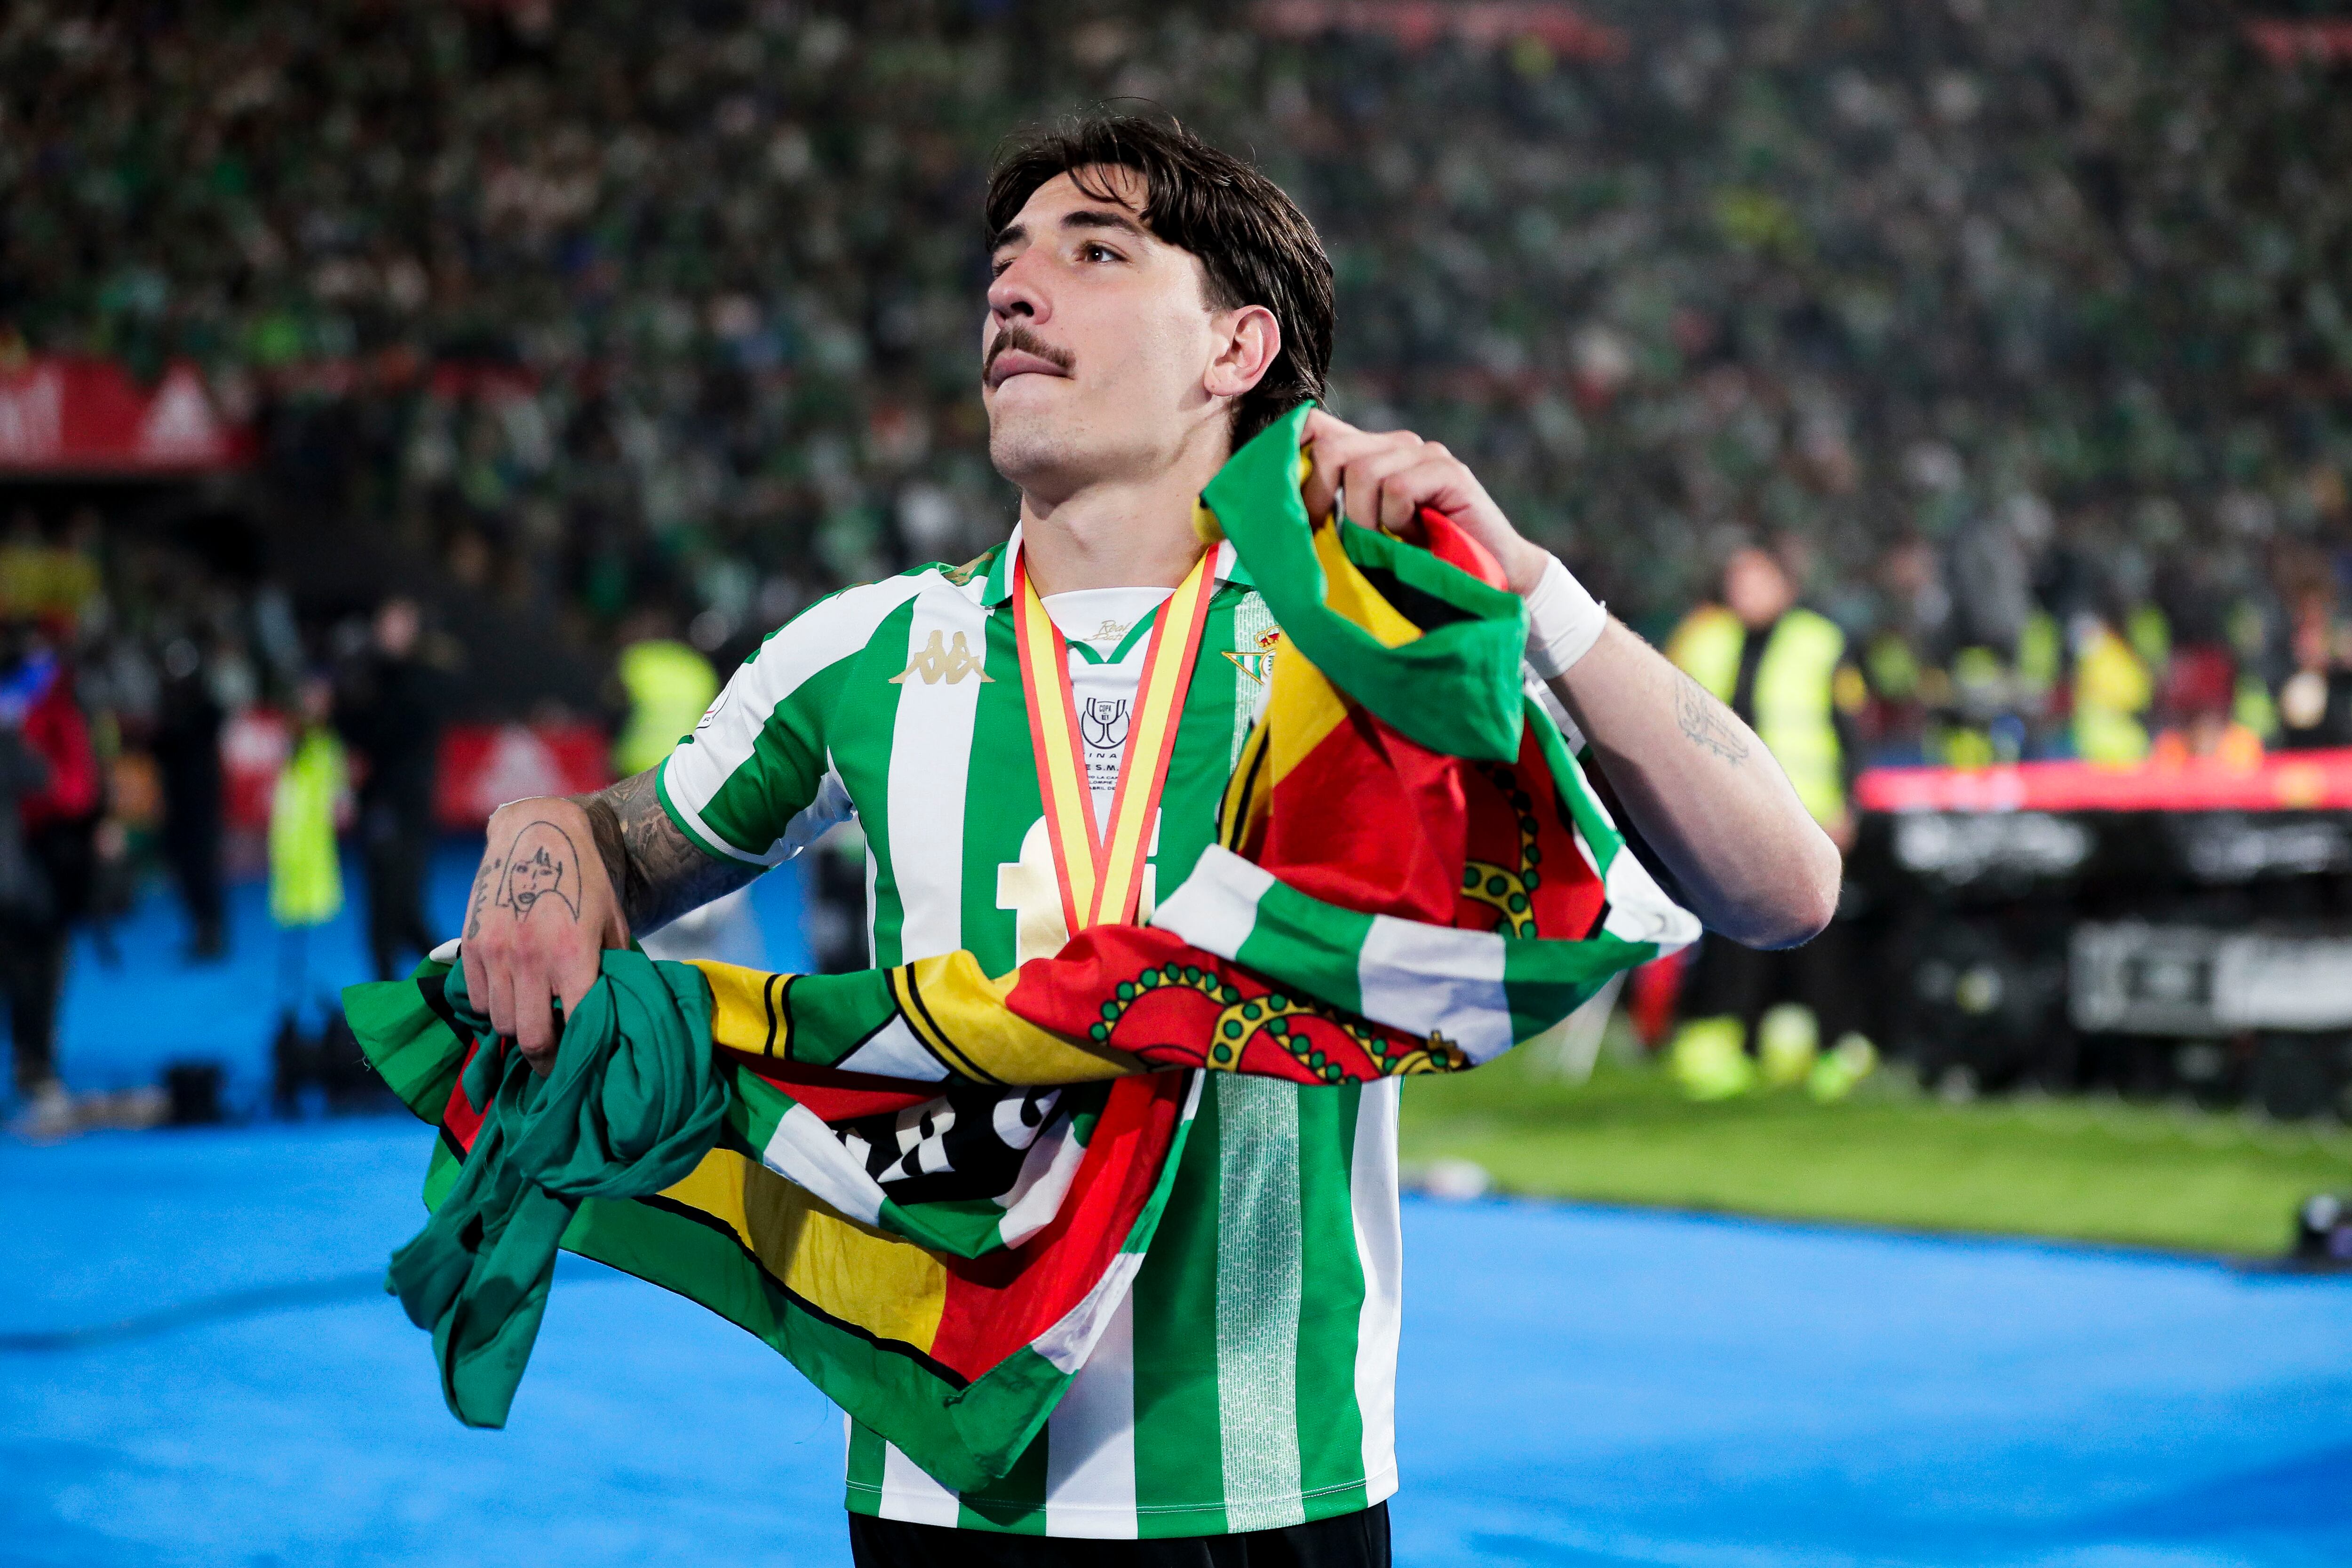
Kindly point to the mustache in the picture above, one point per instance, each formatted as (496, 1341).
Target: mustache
(1017, 336)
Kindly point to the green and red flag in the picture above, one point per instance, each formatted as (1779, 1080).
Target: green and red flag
(933, 1185)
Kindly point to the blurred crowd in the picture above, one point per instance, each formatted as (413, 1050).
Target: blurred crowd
(162, 711)
(126, 665)
(2019, 331)
(2014, 338)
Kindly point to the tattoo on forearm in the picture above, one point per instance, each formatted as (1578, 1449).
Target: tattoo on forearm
(541, 866)
(656, 868)
(604, 829)
(1705, 722)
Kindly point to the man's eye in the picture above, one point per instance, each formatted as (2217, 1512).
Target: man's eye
(1092, 252)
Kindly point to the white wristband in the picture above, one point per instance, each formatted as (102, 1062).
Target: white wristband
(1563, 621)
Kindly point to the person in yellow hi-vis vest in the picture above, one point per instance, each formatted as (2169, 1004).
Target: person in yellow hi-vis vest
(311, 803)
(1784, 670)
(2113, 689)
(312, 797)
(669, 686)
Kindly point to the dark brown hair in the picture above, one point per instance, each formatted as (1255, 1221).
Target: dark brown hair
(1254, 243)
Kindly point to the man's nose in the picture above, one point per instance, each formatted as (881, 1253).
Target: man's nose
(1018, 292)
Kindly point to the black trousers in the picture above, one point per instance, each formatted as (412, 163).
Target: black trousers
(398, 846)
(32, 974)
(1358, 1539)
(1746, 983)
(192, 850)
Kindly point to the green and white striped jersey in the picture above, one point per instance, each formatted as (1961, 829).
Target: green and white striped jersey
(1249, 1380)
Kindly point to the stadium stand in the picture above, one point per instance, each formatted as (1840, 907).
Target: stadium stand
(592, 303)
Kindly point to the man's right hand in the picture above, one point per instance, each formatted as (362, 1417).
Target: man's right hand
(543, 912)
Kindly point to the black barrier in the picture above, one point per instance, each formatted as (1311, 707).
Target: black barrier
(2203, 953)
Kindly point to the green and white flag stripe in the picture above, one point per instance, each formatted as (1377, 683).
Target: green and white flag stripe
(1482, 991)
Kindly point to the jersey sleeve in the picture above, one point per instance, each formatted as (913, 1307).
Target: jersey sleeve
(753, 782)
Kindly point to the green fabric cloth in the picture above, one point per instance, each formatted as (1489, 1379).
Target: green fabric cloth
(1455, 687)
(632, 1105)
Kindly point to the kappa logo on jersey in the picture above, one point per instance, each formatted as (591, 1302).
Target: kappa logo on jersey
(950, 663)
(1259, 666)
(1104, 723)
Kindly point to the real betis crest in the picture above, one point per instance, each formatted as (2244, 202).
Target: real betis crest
(1259, 666)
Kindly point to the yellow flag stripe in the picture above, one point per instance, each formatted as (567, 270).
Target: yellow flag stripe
(1348, 592)
(962, 1003)
(1301, 712)
(885, 1285)
(907, 992)
(748, 1012)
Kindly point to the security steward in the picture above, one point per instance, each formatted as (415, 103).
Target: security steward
(1752, 1015)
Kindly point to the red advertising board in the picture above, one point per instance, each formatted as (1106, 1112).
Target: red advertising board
(483, 766)
(2280, 781)
(255, 748)
(64, 415)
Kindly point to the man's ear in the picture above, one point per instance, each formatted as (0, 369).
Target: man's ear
(1248, 341)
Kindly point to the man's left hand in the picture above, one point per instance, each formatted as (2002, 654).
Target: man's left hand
(1388, 478)
(1749, 859)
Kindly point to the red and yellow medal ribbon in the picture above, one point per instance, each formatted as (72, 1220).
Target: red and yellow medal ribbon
(1101, 873)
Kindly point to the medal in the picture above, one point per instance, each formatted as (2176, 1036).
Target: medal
(1101, 872)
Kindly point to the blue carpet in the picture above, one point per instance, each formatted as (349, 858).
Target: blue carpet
(120, 1023)
(1580, 1387)
(649, 1431)
(1716, 1392)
